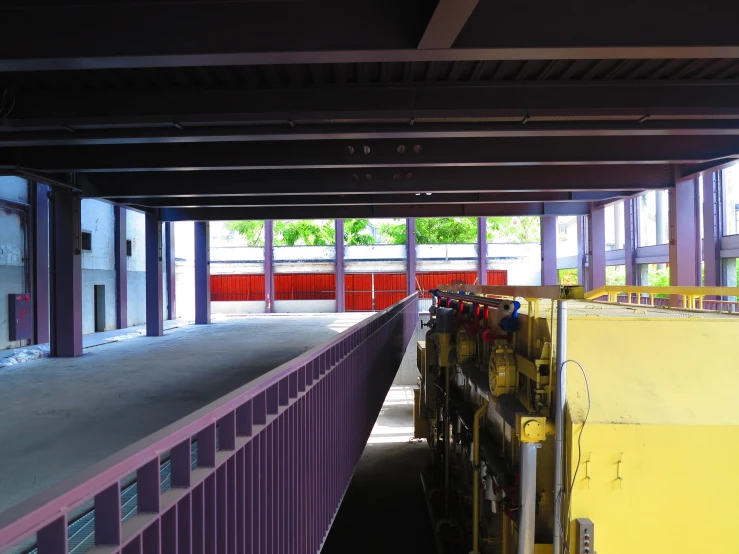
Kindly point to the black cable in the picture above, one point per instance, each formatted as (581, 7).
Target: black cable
(565, 532)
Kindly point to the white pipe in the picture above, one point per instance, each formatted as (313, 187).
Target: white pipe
(559, 412)
(527, 503)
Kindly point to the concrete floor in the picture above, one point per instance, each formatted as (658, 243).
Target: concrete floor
(384, 508)
(59, 416)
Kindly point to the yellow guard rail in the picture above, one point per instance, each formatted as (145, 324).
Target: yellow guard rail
(692, 297)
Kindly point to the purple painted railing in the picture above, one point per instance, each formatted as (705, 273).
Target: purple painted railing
(288, 443)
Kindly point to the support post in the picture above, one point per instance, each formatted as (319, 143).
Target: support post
(596, 249)
(630, 230)
(170, 271)
(527, 500)
(712, 229)
(410, 255)
(684, 259)
(202, 272)
(548, 241)
(121, 269)
(339, 261)
(41, 264)
(66, 302)
(154, 304)
(482, 251)
(269, 267)
(581, 250)
(559, 423)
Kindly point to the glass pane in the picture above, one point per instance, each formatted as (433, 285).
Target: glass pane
(614, 226)
(731, 200)
(653, 213)
(567, 276)
(566, 236)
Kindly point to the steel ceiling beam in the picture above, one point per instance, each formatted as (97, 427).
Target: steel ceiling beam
(446, 23)
(396, 211)
(366, 156)
(532, 178)
(398, 131)
(647, 102)
(96, 34)
(369, 199)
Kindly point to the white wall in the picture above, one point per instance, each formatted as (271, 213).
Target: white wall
(98, 264)
(136, 266)
(12, 252)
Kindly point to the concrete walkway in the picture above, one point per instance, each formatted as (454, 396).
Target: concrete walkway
(61, 415)
(384, 509)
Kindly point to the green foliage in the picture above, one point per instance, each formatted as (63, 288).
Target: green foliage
(252, 231)
(356, 232)
(303, 232)
(567, 276)
(434, 230)
(514, 229)
(658, 277)
(615, 275)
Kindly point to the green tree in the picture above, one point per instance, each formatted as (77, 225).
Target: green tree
(303, 232)
(434, 230)
(567, 276)
(514, 229)
(252, 231)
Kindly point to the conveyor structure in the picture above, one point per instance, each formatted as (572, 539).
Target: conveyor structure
(630, 448)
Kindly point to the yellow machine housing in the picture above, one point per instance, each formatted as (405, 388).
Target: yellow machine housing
(649, 440)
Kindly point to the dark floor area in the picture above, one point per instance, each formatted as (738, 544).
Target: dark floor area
(384, 511)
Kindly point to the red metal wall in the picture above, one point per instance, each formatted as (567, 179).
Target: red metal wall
(389, 288)
(429, 280)
(237, 287)
(305, 286)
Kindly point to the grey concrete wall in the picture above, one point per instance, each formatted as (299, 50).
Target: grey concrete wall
(408, 371)
(304, 306)
(90, 278)
(12, 252)
(136, 298)
(237, 308)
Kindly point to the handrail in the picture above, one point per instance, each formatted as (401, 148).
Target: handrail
(692, 297)
(348, 360)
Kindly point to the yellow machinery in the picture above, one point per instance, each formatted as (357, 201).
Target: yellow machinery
(636, 454)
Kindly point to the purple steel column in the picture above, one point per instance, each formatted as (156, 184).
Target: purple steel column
(630, 230)
(712, 228)
(66, 304)
(684, 259)
(169, 268)
(121, 269)
(581, 249)
(340, 296)
(269, 268)
(549, 274)
(202, 272)
(41, 264)
(482, 251)
(154, 304)
(410, 248)
(597, 249)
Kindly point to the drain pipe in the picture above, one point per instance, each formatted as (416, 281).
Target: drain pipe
(559, 413)
(476, 476)
(527, 502)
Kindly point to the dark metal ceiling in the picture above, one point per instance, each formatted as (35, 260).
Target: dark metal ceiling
(378, 101)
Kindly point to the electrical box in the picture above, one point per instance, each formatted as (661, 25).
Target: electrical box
(20, 317)
(584, 536)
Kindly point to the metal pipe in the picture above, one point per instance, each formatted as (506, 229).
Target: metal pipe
(476, 475)
(527, 503)
(559, 413)
(447, 442)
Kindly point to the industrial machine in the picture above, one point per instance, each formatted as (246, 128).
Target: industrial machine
(561, 425)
